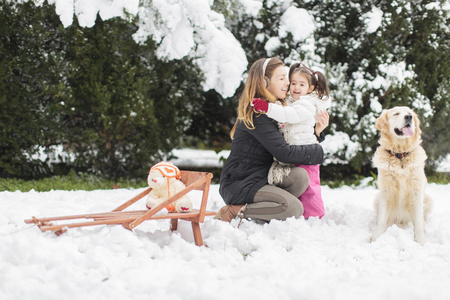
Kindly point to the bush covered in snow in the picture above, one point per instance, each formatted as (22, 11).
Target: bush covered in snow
(119, 84)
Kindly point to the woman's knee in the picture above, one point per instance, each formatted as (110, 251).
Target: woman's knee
(271, 202)
(294, 208)
(296, 182)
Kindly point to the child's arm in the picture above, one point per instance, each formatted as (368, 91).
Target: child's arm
(320, 104)
(285, 114)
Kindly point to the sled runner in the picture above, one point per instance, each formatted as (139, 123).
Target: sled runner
(131, 219)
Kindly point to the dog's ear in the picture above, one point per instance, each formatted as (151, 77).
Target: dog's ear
(417, 129)
(381, 121)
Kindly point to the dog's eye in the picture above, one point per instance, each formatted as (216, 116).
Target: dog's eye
(396, 114)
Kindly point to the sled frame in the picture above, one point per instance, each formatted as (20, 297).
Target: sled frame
(131, 219)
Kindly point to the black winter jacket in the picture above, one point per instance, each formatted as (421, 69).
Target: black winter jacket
(251, 156)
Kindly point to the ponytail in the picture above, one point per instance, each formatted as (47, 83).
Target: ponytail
(321, 85)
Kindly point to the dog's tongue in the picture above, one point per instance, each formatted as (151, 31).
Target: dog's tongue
(407, 131)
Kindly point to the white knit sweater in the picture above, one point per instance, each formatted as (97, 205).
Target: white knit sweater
(300, 115)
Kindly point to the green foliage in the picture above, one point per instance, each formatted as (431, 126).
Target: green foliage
(212, 121)
(410, 49)
(355, 180)
(411, 33)
(116, 108)
(69, 182)
(89, 182)
(439, 178)
(29, 86)
(350, 181)
(120, 117)
(430, 54)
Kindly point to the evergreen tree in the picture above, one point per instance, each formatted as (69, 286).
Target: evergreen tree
(117, 108)
(406, 51)
(30, 92)
(212, 120)
(110, 102)
(402, 62)
(429, 53)
(127, 109)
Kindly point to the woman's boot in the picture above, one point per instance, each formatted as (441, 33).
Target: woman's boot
(229, 212)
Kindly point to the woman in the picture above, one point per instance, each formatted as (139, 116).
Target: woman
(256, 140)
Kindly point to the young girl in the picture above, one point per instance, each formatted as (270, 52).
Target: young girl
(308, 98)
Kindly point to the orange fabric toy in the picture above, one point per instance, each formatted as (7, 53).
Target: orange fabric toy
(164, 179)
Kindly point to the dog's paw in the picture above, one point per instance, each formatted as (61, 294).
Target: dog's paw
(375, 235)
(420, 240)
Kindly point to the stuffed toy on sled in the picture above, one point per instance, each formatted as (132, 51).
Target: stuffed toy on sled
(164, 179)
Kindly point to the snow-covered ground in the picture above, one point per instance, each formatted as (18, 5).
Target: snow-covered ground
(296, 259)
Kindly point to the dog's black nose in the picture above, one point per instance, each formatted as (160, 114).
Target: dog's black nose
(408, 117)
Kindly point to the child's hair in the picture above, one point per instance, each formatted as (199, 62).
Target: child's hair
(315, 78)
(256, 87)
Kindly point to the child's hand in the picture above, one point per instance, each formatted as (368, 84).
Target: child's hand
(260, 105)
(322, 122)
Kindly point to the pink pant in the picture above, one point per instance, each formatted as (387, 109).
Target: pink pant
(312, 197)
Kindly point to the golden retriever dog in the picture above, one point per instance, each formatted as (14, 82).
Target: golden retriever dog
(400, 161)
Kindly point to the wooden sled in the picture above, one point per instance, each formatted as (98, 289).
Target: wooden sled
(130, 219)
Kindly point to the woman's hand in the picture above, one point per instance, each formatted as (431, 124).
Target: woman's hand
(323, 121)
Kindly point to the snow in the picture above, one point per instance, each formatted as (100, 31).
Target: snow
(172, 31)
(373, 19)
(272, 45)
(338, 144)
(298, 22)
(251, 7)
(444, 165)
(199, 158)
(86, 10)
(190, 28)
(181, 28)
(295, 259)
